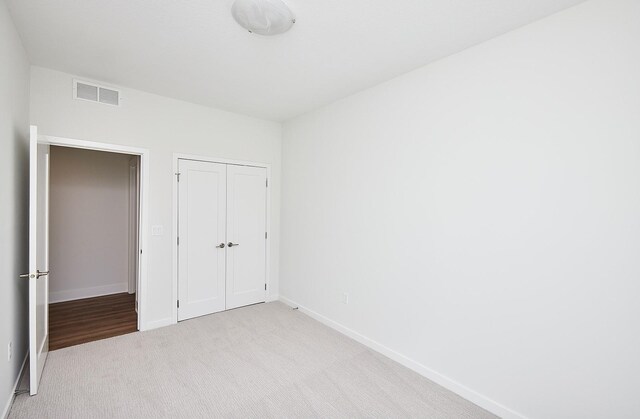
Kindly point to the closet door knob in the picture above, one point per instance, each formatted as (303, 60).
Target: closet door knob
(233, 244)
(220, 246)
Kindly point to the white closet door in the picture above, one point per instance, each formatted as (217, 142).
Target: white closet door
(202, 191)
(246, 227)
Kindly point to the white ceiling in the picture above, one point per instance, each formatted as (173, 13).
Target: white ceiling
(193, 49)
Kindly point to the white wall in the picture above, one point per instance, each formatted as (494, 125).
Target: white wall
(483, 213)
(164, 126)
(14, 201)
(89, 223)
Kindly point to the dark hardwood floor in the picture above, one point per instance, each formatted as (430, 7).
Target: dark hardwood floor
(80, 321)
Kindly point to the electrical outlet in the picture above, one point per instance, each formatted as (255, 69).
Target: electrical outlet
(9, 351)
(345, 298)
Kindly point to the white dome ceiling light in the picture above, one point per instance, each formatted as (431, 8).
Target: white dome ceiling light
(264, 17)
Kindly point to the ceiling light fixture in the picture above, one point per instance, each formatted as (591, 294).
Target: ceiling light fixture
(264, 17)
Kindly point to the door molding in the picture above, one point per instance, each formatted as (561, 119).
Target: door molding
(134, 220)
(174, 218)
(143, 226)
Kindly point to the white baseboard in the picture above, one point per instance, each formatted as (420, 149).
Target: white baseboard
(271, 298)
(12, 395)
(446, 382)
(77, 294)
(156, 324)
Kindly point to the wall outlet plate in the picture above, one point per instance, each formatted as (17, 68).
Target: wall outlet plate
(9, 351)
(157, 230)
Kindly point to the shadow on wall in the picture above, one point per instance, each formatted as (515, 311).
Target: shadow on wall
(20, 228)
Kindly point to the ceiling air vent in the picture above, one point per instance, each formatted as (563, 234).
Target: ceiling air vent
(94, 93)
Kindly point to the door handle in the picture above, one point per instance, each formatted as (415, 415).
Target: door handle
(38, 274)
(233, 244)
(220, 246)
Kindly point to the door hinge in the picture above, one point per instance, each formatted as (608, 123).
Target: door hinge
(265, 287)
(265, 234)
(267, 182)
(178, 241)
(178, 303)
(178, 176)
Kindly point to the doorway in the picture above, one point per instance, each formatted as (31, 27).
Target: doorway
(38, 274)
(222, 237)
(93, 234)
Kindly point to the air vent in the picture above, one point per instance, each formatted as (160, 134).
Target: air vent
(94, 93)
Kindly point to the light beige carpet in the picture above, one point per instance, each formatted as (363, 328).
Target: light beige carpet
(260, 361)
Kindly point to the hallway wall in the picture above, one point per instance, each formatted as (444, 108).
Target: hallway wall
(89, 224)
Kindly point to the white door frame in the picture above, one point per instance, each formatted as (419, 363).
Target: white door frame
(144, 199)
(134, 220)
(181, 156)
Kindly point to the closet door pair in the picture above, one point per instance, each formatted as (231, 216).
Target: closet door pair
(221, 237)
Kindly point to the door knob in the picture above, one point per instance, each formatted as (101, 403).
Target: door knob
(26, 276)
(39, 274)
(233, 244)
(220, 246)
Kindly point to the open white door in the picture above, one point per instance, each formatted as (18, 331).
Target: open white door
(38, 258)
